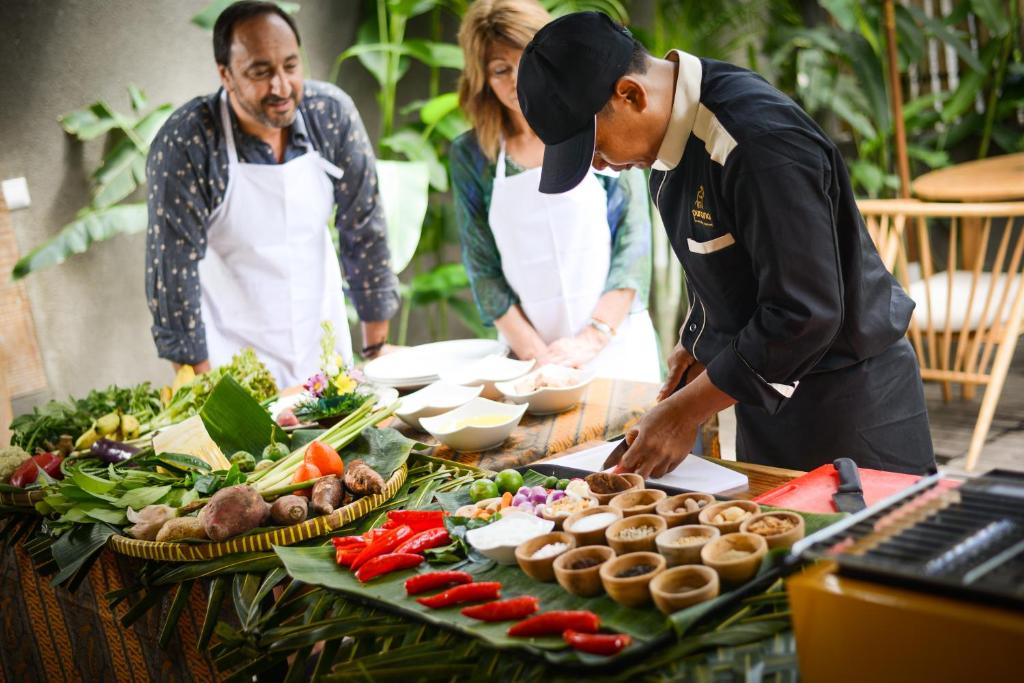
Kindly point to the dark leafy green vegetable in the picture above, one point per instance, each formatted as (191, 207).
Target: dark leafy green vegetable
(45, 424)
(208, 484)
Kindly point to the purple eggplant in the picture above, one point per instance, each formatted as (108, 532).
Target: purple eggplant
(111, 451)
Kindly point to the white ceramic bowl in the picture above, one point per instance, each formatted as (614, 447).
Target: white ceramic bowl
(435, 399)
(446, 429)
(548, 400)
(418, 366)
(501, 547)
(487, 372)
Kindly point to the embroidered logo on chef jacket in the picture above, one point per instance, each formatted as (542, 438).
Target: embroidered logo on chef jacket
(700, 214)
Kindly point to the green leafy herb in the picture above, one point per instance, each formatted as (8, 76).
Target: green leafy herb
(207, 484)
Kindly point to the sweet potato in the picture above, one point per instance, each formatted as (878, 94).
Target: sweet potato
(180, 528)
(362, 480)
(288, 510)
(234, 511)
(327, 495)
(148, 521)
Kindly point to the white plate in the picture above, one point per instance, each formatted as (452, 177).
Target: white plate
(418, 366)
(548, 400)
(486, 372)
(434, 399)
(470, 438)
(505, 552)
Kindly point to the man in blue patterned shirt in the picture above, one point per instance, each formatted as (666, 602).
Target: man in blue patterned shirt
(242, 187)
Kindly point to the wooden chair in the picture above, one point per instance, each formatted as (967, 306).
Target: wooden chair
(969, 306)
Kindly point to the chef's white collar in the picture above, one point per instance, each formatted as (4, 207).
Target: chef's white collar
(684, 110)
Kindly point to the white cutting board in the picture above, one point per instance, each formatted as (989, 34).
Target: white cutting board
(694, 474)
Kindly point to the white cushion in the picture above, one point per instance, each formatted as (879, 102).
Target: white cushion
(939, 286)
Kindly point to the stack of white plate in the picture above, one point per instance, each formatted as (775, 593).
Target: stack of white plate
(419, 366)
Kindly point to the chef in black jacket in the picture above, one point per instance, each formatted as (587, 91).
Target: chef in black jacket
(793, 317)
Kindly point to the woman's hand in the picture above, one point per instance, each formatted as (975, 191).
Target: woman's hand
(575, 352)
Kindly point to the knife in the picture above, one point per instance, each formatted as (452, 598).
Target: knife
(615, 456)
(849, 496)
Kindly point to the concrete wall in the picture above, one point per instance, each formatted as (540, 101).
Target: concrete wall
(59, 55)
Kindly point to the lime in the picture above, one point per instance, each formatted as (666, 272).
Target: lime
(482, 489)
(551, 482)
(508, 481)
(245, 461)
(276, 451)
(562, 483)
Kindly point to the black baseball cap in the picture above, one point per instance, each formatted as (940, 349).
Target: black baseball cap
(566, 75)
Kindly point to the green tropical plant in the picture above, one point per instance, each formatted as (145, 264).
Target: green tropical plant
(120, 174)
(838, 69)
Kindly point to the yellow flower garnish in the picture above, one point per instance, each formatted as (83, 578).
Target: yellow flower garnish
(344, 384)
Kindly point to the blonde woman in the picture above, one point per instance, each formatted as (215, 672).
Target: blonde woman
(564, 278)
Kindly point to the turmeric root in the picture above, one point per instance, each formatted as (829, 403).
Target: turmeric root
(362, 480)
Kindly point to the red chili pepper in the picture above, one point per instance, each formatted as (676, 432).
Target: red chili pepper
(28, 471)
(382, 545)
(419, 520)
(385, 564)
(503, 610)
(554, 623)
(345, 556)
(428, 582)
(470, 592)
(425, 540)
(597, 643)
(347, 541)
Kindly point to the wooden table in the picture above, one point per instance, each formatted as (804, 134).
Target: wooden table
(996, 179)
(608, 409)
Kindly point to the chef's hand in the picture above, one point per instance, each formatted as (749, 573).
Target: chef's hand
(666, 434)
(680, 364)
(575, 352)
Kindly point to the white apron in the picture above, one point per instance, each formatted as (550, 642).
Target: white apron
(555, 254)
(271, 275)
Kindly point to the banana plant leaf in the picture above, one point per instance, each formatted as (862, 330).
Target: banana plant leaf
(404, 190)
(91, 225)
(236, 421)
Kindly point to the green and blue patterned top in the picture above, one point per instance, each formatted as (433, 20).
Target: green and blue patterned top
(472, 183)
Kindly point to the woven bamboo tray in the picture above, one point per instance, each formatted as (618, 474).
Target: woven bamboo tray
(318, 526)
(21, 499)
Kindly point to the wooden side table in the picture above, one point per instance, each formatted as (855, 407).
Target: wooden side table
(996, 179)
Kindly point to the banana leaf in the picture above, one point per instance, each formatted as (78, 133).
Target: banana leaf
(236, 421)
(648, 627)
(384, 450)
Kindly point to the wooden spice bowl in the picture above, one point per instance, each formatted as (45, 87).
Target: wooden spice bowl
(680, 587)
(677, 554)
(628, 483)
(707, 515)
(592, 536)
(644, 544)
(741, 569)
(779, 540)
(635, 479)
(542, 569)
(586, 582)
(668, 506)
(638, 502)
(631, 591)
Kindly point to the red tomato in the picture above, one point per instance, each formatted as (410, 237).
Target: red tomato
(325, 458)
(305, 472)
